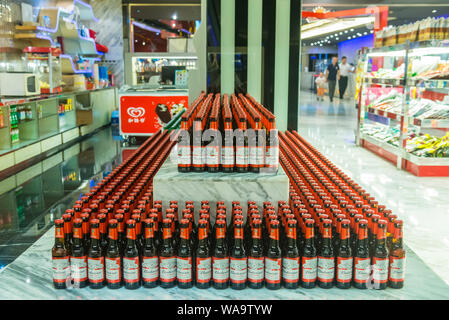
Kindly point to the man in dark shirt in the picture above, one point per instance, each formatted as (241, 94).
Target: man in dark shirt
(332, 75)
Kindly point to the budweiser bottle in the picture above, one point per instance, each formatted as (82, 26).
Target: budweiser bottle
(95, 257)
(184, 257)
(290, 261)
(203, 259)
(68, 234)
(150, 257)
(60, 257)
(273, 259)
(167, 258)
(238, 269)
(103, 232)
(326, 260)
(131, 257)
(220, 258)
(78, 260)
(397, 258)
(113, 261)
(362, 261)
(380, 257)
(344, 258)
(309, 257)
(256, 267)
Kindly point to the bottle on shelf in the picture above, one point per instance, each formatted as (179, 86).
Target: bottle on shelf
(131, 257)
(273, 259)
(113, 261)
(95, 257)
(150, 257)
(290, 260)
(256, 265)
(167, 257)
(362, 260)
(380, 257)
(60, 257)
(78, 260)
(238, 267)
(184, 258)
(326, 258)
(309, 261)
(203, 263)
(344, 261)
(397, 258)
(220, 257)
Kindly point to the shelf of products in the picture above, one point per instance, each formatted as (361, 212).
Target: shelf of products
(404, 105)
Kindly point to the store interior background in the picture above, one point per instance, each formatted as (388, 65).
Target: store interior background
(31, 199)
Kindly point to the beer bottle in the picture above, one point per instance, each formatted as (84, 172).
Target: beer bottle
(167, 257)
(380, 257)
(150, 257)
(203, 260)
(273, 259)
(220, 258)
(131, 257)
(309, 260)
(68, 235)
(238, 267)
(86, 231)
(362, 261)
(60, 257)
(157, 233)
(397, 258)
(78, 260)
(256, 257)
(344, 257)
(184, 257)
(290, 261)
(120, 231)
(113, 261)
(103, 232)
(95, 257)
(139, 242)
(326, 259)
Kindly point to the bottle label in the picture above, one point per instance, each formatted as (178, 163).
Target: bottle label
(227, 156)
(220, 269)
(326, 269)
(184, 269)
(397, 269)
(256, 269)
(362, 270)
(309, 269)
(150, 269)
(252, 155)
(61, 269)
(272, 159)
(96, 269)
(380, 270)
(273, 270)
(344, 269)
(213, 156)
(78, 266)
(203, 269)
(131, 269)
(184, 155)
(290, 269)
(197, 157)
(113, 270)
(238, 270)
(241, 158)
(167, 267)
(260, 156)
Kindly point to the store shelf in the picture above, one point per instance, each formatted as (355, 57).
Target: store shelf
(386, 114)
(381, 144)
(429, 84)
(386, 81)
(68, 66)
(431, 123)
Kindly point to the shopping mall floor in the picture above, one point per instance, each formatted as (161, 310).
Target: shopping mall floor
(31, 199)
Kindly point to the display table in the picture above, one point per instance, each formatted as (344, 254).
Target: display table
(169, 184)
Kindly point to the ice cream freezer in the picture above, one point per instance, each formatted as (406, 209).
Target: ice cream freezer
(143, 112)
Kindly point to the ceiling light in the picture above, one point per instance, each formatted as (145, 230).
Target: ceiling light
(349, 37)
(341, 33)
(346, 31)
(372, 31)
(143, 43)
(337, 38)
(173, 25)
(136, 40)
(332, 36)
(434, 11)
(325, 27)
(352, 29)
(174, 17)
(365, 33)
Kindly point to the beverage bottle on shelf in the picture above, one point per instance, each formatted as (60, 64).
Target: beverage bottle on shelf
(203, 263)
(78, 260)
(139, 241)
(103, 232)
(131, 257)
(380, 257)
(113, 261)
(397, 258)
(184, 148)
(256, 266)
(309, 261)
(60, 257)
(290, 261)
(238, 267)
(273, 259)
(390, 229)
(150, 257)
(86, 231)
(220, 257)
(344, 259)
(68, 235)
(362, 261)
(184, 265)
(120, 231)
(326, 259)
(95, 257)
(167, 257)
(157, 233)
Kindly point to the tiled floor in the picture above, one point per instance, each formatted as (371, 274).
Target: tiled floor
(421, 202)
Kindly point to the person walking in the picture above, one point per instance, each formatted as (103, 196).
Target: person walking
(320, 86)
(345, 70)
(332, 75)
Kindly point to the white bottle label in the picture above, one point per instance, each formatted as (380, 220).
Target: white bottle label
(344, 269)
(397, 268)
(150, 268)
(197, 157)
(220, 269)
(252, 155)
(131, 269)
(184, 269)
(260, 156)
(272, 159)
(256, 269)
(184, 155)
(238, 270)
(241, 156)
(326, 269)
(380, 270)
(227, 156)
(78, 268)
(61, 269)
(273, 270)
(309, 269)
(290, 269)
(213, 155)
(362, 270)
(167, 266)
(113, 270)
(203, 269)
(96, 269)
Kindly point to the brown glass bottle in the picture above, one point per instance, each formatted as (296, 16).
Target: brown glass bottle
(220, 257)
(167, 257)
(362, 261)
(86, 230)
(150, 257)
(238, 264)
(68, 234)
(184, 265)
(78, 260)
(326, 258)
(273, 258)
(344, 261)
(95, 257)
(60, 257)
(203, 265)
(113, 261)
(290, 260)
(380, 257)
(397, 258)
(309, 261)
(131, 257)
(256, 259)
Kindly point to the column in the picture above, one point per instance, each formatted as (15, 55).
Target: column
(255, 48)
(227, 35)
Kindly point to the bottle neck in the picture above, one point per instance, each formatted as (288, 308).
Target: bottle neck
(238, 236)
(94, 237)
(167, 236)
(185, 237)
(59, 237)
(344, 237)
(220, 236)
(381, 237)
(131, 237)
(256, 236)
(77, 236)
(362, 237)
(397, 238)
(291, 237)
(274, 237)
(326, 238)
(309, 236)
(113, 235)
(202, 236)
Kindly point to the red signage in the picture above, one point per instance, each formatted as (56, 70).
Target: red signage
(142, 115)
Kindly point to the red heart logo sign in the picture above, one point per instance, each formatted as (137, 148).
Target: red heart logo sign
(136, 112)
